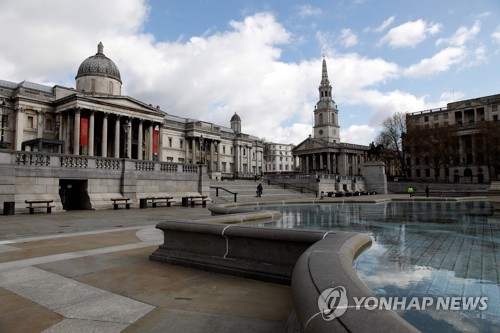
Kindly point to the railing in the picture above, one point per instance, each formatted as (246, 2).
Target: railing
(230, 192)
(301, 188)
(37, 159)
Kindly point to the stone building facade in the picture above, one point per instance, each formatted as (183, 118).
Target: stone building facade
(278, 158)
(94, 119)
(467, 137)
(324, 153)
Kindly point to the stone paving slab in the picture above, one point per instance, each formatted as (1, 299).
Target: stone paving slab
(180, 321)
(85, 326)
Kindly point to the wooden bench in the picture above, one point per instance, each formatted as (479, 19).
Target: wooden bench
(156, 200)
(39, 204)
(192, 200)
(120, 201)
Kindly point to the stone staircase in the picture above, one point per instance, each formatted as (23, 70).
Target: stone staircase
(247, 189)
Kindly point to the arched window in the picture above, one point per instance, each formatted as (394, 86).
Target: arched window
(321, 118)
(110, 87)
(92, 85)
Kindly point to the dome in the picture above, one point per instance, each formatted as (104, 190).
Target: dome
(99, 65)
(235, 117)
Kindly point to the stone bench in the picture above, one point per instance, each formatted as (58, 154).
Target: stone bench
(34, 204)
(120, 201)
(154, 201)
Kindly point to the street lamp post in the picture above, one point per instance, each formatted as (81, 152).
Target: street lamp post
(126, 129)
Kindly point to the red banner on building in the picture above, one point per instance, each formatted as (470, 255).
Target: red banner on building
(155, 142)
(84, 132)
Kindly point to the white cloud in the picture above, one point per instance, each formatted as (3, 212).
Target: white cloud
(440, 62)
(347, 38)
(496, 35)
(359, 134)
(461, 36)
(410, 34)
(308, 11)
(385, 24)
(207, 77)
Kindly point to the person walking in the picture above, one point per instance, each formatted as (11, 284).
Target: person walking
(427, 191)
(259, 190)
(410, 191)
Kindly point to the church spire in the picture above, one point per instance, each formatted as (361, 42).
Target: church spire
(325, 89)
(326, 126)
(324, 75)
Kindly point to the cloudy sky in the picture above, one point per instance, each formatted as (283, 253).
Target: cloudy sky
(207, 59)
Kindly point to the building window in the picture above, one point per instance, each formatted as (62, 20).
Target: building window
(445, 116)
(436, 117)
(170, 142)
(49, 124)
(110, 88)
(30, 122)
(223, 149)
(417, 173)
(181, 143)
(170, 159)
(232, 151)
(181, 160)
(427, 172)
(494, 107)
(426, 118)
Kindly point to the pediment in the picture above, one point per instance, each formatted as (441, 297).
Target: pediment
(309, 144)
(115, 104)
(126, 102)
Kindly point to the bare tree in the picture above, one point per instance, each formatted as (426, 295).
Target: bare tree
(391, 137)
(488, 147)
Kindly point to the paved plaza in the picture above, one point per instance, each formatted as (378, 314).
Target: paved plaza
(88, 271)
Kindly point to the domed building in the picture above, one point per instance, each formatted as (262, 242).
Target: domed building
(99, 74)
(95, 130)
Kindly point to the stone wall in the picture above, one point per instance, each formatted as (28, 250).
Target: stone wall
(36, 176)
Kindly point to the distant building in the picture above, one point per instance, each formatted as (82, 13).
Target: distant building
(324, 152)
(96, 120)
(458, 143)
(278, 158)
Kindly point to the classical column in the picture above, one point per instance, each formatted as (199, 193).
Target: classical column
(67, 133)
(212, 148)
(249, 159)
(160, 143)
(186, 150)
(320, 161)
(193, 150)
(40, 124)
(104, 142)
(129, 139)
(19, 128)
(76, 135)
(329, 162)
(117, 137)
(91, 133)
(150, 140)
(218, 156)
(139, 139)
(236, 158)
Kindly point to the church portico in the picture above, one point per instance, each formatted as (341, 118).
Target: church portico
(93, 132)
